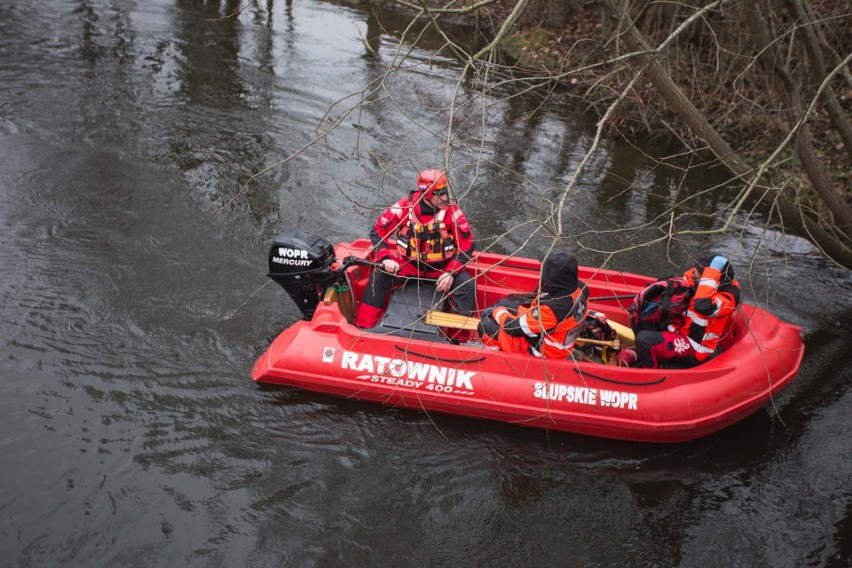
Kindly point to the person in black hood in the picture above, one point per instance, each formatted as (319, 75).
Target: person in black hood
(545, 324)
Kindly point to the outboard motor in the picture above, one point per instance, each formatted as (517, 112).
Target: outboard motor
(301, 263)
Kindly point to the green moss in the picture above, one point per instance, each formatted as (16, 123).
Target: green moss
(533, 49)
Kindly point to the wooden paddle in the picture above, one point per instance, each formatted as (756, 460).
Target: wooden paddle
(624, 333)
(456, 321)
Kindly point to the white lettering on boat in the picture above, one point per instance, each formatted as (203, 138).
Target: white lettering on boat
(579, 395)
(290, 261)
(413, 374)
(618, 399)
(292, 257)
(586, 395)
(292, 253)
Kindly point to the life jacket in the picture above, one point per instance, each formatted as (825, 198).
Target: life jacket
(428, 242)
(660, 304)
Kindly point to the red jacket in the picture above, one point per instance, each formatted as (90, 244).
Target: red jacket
(413, 210)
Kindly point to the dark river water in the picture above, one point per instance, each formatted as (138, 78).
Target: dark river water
(135, 302)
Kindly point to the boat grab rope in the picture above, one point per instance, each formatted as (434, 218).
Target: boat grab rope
(479, 359)
(441, 359)
(616, 381)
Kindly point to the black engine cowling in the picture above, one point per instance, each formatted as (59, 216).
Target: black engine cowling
(301, 263)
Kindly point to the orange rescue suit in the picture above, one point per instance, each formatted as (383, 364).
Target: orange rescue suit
(545, 335)
(709, 311)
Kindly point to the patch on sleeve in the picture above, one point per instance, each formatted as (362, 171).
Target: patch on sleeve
(580, 309)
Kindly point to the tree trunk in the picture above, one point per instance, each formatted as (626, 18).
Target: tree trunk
(793, 216)
(787, 90)
(817, 66)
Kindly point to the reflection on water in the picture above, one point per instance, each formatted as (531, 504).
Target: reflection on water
(136, 302)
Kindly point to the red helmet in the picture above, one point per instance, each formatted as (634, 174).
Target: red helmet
(431, 181)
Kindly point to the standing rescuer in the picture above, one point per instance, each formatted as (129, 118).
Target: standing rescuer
(546, 325)
(433, 241)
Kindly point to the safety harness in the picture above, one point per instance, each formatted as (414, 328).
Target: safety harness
(428, 242)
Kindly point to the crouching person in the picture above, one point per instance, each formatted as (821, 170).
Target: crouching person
(548, 323)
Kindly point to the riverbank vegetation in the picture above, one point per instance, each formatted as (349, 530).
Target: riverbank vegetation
(762, 89)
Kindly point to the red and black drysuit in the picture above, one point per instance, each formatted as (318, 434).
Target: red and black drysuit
(694, 338)
(545, 325)
(429, 242)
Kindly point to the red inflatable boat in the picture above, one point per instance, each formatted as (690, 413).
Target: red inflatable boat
(408, 362)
